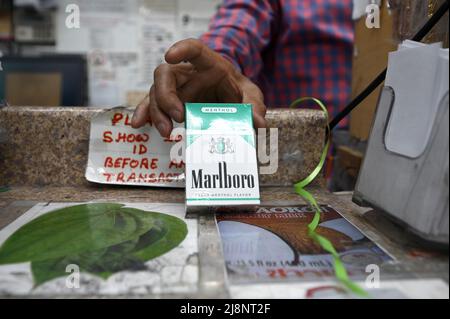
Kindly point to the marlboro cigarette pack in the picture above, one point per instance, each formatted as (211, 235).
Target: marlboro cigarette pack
(221, 164)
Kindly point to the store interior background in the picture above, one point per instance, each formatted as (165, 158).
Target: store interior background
(109, 61)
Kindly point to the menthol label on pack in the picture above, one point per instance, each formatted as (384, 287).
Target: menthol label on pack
(221, 163)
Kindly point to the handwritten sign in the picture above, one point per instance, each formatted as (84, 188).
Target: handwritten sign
(119, 154)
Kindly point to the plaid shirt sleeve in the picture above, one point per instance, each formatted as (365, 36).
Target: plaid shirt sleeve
(240, 31)
(289, 48)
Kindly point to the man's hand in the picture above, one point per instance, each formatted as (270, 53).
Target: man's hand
(195, 73)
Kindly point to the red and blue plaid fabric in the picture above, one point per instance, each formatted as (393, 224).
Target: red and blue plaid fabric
(290, 48)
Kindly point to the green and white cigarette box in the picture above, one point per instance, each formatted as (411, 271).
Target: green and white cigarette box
(221, 163)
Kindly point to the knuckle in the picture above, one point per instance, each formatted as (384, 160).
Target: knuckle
(160, 70)
(143, 103)
(194, 42)
(160, 98)
(223, 68)
(153, 112)
(152, 101)
(151, 93)
(158, 93)
(196, 46)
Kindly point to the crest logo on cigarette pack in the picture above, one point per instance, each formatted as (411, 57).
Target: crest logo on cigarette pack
(221, 145)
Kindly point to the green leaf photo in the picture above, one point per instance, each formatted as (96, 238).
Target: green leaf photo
(101, 239)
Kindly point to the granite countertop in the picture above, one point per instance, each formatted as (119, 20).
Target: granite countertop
(48, 146)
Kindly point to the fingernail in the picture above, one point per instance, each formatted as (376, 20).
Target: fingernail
(175, 114)
(161, 128)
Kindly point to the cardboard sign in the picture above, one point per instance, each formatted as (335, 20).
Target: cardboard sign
(119, 154)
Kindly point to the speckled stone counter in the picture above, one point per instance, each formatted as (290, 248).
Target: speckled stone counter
(49, 146)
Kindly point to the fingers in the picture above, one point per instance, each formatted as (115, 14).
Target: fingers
(253, 95)
(162, 122)
(230, 91)
(162, 103)
(206, 75)
(193, 51)
(259, 120)
(192, 90)
(141, 113)
(148, 112)
(166, 98)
